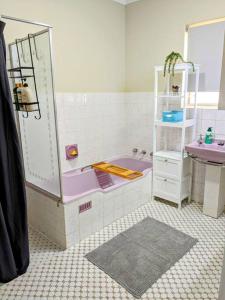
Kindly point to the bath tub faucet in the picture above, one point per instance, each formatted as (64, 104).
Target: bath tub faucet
(143, 153)
(86, 167)
(135, 150)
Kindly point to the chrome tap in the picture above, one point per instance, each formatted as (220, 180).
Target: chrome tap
(142, 153)
(135, 150)
(200, 140)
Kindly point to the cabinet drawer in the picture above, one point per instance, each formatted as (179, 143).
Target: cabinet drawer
(167, 167)
(166, 188)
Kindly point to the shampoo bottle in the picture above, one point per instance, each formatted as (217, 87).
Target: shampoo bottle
(209, 136)
(15, 95)
(19, 96)
(27, 97)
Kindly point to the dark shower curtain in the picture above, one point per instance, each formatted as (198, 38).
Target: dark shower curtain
(14, 248)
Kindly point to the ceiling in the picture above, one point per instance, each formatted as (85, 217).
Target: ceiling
(125, 2)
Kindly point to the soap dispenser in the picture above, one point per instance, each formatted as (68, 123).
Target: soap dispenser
(209, 136)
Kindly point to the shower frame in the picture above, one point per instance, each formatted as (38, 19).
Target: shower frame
(48, 28)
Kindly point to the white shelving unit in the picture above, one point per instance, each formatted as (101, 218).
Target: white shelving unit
(171, 165)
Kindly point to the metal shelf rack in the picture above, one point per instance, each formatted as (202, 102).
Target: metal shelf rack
(18, 73)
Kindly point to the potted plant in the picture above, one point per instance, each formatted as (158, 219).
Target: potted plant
(175, 88)
(171, 60)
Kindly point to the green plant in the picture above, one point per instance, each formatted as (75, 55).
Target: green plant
(171, 61)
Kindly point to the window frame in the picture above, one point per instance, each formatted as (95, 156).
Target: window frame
(187, 28)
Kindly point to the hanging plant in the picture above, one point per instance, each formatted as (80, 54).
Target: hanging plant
(171, 60)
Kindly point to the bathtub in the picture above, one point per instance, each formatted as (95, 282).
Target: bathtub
(89, 208)
(86, 207)
(78, 184)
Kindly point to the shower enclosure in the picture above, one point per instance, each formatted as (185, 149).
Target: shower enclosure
(30, 61)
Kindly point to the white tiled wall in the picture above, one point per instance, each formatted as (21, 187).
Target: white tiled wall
(104, 125)
(107, 125)
(140, 118)
(214, 118)
(96, 122)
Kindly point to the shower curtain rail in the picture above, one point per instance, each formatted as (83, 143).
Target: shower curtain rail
(24, 21)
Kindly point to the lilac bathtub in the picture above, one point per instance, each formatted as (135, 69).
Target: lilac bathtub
(77, 184)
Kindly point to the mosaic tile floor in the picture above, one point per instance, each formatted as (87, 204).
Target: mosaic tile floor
(61, 275)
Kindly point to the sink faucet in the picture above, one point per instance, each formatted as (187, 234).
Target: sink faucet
(200, 140)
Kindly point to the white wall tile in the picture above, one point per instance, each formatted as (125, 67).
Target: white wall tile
(220, 127)
(107, 125)
(209, 114)
(206, 124)
(104, 125)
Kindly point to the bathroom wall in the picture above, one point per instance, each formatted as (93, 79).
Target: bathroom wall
(93, 40)
(140, 120)
(104, 125)
(88, 40)
(96, 122)
(155, 28)
(214, 118)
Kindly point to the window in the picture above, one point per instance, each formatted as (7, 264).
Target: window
(205, 46)
(205, 99)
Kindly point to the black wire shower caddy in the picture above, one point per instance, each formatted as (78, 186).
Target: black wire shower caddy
(17, 73)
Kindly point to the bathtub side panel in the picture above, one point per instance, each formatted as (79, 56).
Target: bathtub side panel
(81, 225)
(46, 216)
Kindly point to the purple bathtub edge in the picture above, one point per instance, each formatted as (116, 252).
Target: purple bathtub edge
(87, 183)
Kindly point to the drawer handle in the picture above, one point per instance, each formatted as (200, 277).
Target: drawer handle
(166, 160)
(165, 179)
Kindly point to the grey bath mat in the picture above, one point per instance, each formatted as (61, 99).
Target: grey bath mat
(137, 257)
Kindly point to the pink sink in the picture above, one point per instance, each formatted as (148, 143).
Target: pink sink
(213, 152)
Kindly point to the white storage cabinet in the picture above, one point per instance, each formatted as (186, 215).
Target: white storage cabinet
(171, 165)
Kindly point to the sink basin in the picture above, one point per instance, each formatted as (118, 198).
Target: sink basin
(208, 152)
(213, 156)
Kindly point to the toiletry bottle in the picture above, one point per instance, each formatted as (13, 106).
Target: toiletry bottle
(15, 95)
(27, 97)
(19, 95)
(209, 136)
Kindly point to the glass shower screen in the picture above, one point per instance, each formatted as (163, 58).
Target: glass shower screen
(38, 130)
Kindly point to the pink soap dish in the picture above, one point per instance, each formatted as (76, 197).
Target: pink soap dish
(71, 151)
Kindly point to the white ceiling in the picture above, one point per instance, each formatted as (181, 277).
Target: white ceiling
(125, 2)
